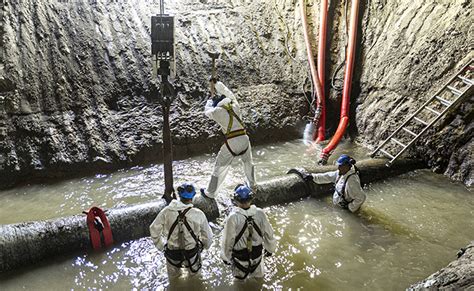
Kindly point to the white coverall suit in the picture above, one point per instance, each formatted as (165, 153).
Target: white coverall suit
(159, 231)
(237, 144)
(233, 225)
(346, 190)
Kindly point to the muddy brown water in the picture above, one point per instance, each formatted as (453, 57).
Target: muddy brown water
(410, 226)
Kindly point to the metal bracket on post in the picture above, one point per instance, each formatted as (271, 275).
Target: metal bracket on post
(162, 49)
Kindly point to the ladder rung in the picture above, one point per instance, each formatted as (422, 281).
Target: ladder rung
(409, 131)
(387, 154)
(454, 90)
(420, 121)
(432, 110)
(443, 101)
(466, 80)
(398, 142)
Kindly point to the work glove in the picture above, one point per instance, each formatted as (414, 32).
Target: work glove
(203, 194)
(268, 254)
(307, 177)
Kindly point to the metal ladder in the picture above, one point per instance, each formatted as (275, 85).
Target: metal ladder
(434, 101)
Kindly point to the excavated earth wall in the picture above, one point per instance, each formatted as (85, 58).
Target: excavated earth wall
(409, 51)
(74, 78)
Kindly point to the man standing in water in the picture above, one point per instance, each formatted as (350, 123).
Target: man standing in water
(247, 233)
(225, 110)
(348, 193)
(187, 231)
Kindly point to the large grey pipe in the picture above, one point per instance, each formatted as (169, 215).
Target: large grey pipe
(26, 243)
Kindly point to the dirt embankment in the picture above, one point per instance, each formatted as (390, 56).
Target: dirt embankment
(409, 51)
(74, 78)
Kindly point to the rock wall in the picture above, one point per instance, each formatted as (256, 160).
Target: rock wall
(409, 50)
(75, 77)
(458, 275)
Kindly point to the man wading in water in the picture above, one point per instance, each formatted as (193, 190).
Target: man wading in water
(247, 234)
(186, 230)
(348, 193)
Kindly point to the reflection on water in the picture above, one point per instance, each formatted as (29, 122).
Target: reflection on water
(410, 226)
(139, 184)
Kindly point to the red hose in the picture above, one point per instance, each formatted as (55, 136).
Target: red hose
(346, 96)
(321, 67)
(312, 65)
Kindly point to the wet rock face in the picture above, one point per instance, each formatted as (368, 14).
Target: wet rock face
(409, 51)
(458, 275)
(75, 76)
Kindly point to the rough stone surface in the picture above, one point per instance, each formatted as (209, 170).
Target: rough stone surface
(74, 78)
(409, 51)
(458, 275)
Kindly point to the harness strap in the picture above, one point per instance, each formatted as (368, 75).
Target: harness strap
(342, 195)
(184, 255)
(181, 216)
(235, 133)
(232, 152)
(177, 257)
(232, 115)
(248, 219)
(247, 254)
(196, 239)
(247, 270)
(231, 134)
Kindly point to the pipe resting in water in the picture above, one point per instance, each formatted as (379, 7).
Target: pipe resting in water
(26, 243)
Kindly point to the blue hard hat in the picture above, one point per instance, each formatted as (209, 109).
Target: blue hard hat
(344, 160)
(243, 193)
(186, 191)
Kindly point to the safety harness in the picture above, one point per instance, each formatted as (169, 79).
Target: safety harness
(231, 134)
(251, 252)
(181, 255)
(344, 203)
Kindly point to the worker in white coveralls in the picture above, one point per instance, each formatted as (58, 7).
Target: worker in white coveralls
(225, 110)
(348, 193)
(181, 231)
(247, 237)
